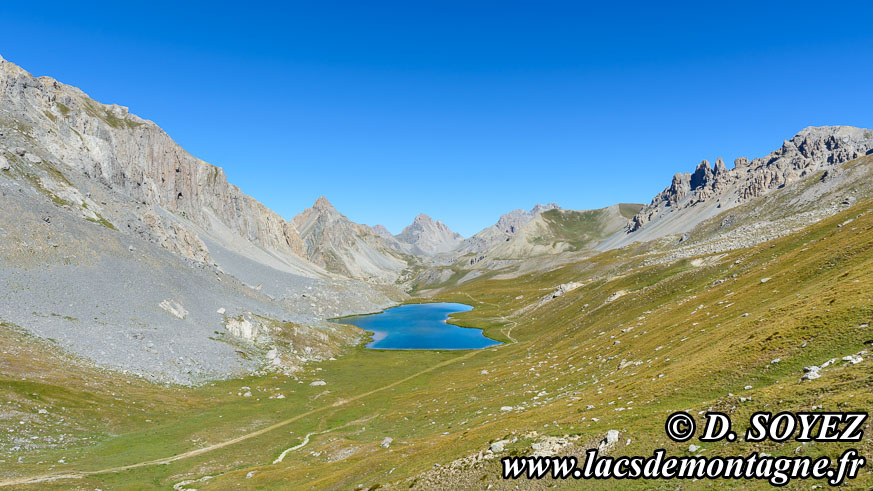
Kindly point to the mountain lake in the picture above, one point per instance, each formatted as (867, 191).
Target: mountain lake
(420, 326)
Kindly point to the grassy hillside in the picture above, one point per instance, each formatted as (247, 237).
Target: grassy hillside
(642, 337)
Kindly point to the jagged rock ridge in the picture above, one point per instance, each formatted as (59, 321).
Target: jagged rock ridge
(812, 150)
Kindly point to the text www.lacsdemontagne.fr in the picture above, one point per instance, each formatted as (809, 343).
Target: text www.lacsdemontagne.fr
(778, 471)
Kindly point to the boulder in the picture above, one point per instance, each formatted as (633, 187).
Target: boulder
(610, 439)
(853, 359)
(812, 373)
(242, 327)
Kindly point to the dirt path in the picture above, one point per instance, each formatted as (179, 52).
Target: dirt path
(200, 451)
(507, 331)
(282, 455)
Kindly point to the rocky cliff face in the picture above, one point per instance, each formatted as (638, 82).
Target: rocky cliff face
(131, 156)
(810, 151)
(429, 237)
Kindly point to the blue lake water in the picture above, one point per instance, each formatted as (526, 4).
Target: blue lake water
(420, 326)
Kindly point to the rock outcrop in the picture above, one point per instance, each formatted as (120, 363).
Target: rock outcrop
(175, 237)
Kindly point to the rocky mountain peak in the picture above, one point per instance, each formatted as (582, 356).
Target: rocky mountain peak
(422, 219)
(428, 236)
(321, 211)
(702, 175)
(509, 223)
(339, 245)
(323, 204)
(322, 214)
(539, 208)
(382, 231)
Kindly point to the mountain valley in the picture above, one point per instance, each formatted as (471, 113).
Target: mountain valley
(160, 328)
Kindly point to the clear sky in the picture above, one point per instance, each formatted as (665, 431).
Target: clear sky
(461, 110)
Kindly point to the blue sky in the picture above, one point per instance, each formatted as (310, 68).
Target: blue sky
(461, 110)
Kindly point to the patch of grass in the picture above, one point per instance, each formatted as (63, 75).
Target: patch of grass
(629, 210)
(50, 195)
(578, 228)
(55, 173)
(213, 176)
(63, 109)
(94, 110)
(102, 221)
